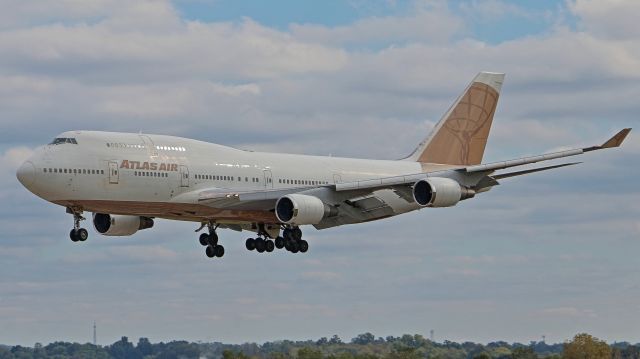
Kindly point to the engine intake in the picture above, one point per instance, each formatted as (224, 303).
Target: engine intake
(119, 225)
(440, 192)
(300, 209)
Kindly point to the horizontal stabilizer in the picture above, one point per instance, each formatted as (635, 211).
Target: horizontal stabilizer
(533, 170)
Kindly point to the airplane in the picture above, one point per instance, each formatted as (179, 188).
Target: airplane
(127, 179)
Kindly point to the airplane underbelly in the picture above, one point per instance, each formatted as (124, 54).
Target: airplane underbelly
(171, 210)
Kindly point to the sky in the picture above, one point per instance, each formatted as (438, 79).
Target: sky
(549, 254)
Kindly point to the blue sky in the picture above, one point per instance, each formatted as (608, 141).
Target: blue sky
(550, 254)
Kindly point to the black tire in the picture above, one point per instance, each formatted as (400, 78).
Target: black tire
(212, 239)
(82, 234)
(279, 243)
(296, 233)
(294, 247)
(250, 244)
(219, 251)
(204, 239)
(73, 235)
(210, 252)
(260, 245)
(269, 246)
(286, 234)
(303, 245)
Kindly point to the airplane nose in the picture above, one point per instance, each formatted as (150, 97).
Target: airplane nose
(27, 174)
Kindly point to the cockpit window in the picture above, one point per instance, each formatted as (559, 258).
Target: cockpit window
(61, 140)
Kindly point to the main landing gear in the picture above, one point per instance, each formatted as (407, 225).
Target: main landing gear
(77, 234)
(291, 240)
(210, 241)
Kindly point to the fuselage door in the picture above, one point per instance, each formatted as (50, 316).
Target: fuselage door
(337, 178)
(268, 179)
(151, 147)
(113, 172)
(184, 176)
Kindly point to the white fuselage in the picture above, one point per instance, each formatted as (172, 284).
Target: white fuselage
(153, 175)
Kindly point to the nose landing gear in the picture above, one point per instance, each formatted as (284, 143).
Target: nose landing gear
(77, 234)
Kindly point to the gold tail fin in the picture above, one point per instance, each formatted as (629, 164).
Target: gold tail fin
(461, 135)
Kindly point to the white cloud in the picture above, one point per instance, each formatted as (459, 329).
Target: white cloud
(323, 89)
(613, 19)
(492, 10)
(430, 24)
(13, 157)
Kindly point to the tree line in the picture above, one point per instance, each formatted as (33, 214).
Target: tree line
(363, 346)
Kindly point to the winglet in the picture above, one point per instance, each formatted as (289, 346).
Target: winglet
(614, 141)
(617, 139)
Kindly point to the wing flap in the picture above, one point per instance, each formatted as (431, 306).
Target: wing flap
(533, 170)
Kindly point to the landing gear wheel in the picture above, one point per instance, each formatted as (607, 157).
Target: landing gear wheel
(260, 245)
(279, 243)
(79, 235)
(204, 239)
(82, 234)
(210, 252)
(287, 234)
(294, 247)
(303, 245)
(218, 251)
(269, 246)
(73, 235)
(296, 233)
(212, 239)
(250, 244)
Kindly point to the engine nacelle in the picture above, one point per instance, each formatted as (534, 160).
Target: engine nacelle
(119, 225)
(300, 209)
(440, 192)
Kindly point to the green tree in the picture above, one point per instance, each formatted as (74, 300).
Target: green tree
(404, 353)
(144, 347)
(5, 353)
(277, 355)
(179, 349)
(631, 352)
(309, 353)
(482, 356)
(228, 354)
(363, 339)
(123, 349)
(524, 353)
(322, 341)
(585, 346)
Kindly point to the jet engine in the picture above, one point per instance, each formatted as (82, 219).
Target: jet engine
(119, 225)
(298, 209)
(440, 192)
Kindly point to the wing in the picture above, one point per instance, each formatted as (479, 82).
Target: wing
(365, 200)
(472, 174)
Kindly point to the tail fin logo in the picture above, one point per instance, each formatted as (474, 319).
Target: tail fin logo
(469, 123)
(460, 137)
